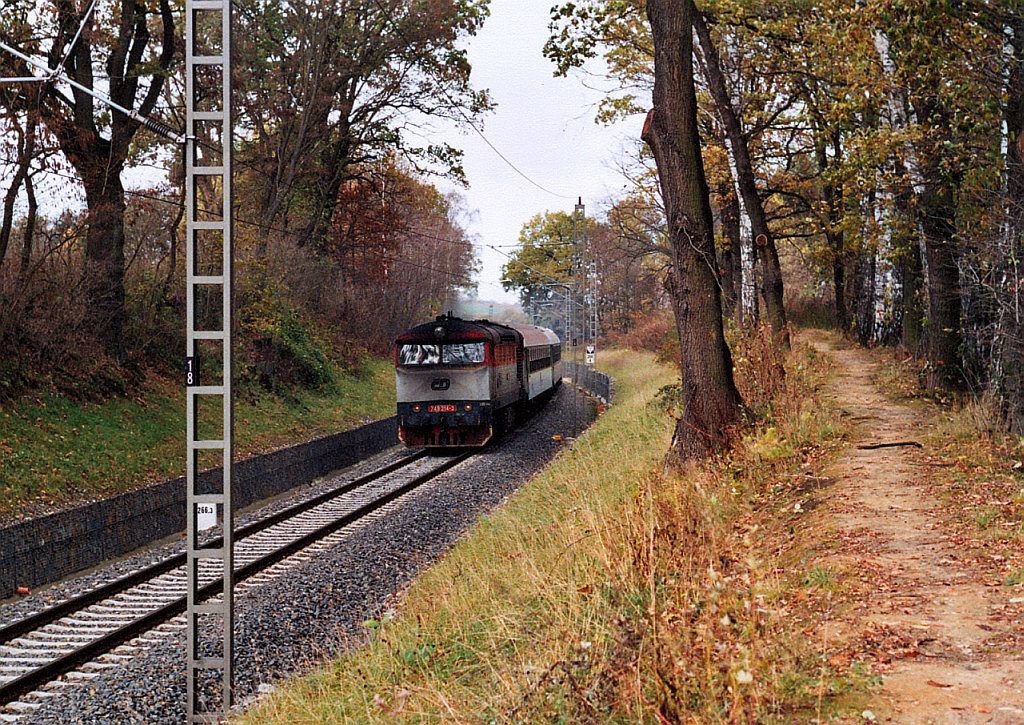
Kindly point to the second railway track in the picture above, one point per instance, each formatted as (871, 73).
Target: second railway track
(41, 647)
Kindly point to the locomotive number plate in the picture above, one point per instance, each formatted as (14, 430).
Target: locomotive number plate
(441, 408)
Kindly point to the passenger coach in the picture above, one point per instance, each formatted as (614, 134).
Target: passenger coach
(460, 381)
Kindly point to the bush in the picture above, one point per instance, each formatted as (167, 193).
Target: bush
(155, 321)
(759, 367)
(44, 337)
(654, 332)
(285, 352)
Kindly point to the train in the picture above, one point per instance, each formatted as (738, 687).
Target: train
(459, 382)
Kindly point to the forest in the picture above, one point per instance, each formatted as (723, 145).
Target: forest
(799, 499)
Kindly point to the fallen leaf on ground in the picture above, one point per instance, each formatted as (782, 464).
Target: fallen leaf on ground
(933, 683)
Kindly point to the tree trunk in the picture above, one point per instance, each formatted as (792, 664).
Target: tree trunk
(944, 338)
(913, 311)
(8, 214)
(910, 186)
(104, 259)
(732, 264)
(772, 289)
(835, 245)
(862, 293)
(26, 151)
(30, 227)
(329, 183)
(1010, 381)
(832, 195)
(886, 279)
(711, 402)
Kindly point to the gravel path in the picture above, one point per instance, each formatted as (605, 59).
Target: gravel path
(318, 608)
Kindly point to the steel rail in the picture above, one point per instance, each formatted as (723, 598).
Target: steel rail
(105, 591)
(35, 679)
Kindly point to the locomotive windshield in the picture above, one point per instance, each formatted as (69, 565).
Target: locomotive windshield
(468, 353)
(419, 355)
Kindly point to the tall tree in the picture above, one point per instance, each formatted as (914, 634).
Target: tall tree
(327, 88)
(746, 181)
(1011, 350)
(711, 402)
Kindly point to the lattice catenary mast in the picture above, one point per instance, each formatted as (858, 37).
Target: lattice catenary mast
(209, 276)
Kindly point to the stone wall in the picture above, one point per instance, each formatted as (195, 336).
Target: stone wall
(596, 383)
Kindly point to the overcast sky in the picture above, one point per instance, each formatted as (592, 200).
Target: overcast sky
(544, 125)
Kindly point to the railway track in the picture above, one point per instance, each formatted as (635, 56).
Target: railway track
(69, 637)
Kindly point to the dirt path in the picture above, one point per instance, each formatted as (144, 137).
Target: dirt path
(923, 601)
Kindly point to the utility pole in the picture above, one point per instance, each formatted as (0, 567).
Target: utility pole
(209, 276)
(587, 284)
(578, 219)
(568, 339)
(593, 322)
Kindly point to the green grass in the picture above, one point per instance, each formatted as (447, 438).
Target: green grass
(54, 451)
(821, 577)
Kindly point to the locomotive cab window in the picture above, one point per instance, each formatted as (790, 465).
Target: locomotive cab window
(468, 353)
(419, 355)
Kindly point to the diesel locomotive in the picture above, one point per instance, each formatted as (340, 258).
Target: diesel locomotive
(459, 381)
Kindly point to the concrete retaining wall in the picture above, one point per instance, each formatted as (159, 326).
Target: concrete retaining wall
(597, 384)
(48, 548)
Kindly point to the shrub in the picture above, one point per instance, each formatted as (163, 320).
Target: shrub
(285, 352)
(654, 332)
(759, 366)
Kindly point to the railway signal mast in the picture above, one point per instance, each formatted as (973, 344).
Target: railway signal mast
(578, 221)
(209, 315)
(587, 284)
(593, 327)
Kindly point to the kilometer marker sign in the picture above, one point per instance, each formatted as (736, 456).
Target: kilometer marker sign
(206, 516)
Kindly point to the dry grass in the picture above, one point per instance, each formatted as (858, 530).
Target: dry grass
(980, 472)
(607, 590)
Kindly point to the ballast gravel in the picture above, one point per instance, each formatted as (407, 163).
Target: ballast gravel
(320, 607)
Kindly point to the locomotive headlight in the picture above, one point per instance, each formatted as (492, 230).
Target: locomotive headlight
(469, 407)
(415, 409)
(439, 332)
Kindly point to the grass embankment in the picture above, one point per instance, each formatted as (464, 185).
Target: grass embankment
(54, 451)
(606, 590)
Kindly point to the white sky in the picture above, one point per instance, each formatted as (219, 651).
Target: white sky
(544, 125)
